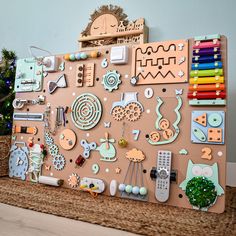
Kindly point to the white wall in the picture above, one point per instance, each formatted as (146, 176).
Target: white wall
(56, 24)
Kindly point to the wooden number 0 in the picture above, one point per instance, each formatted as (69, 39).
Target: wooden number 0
(206, 153)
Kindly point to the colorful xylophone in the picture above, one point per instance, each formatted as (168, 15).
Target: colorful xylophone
(207, 83)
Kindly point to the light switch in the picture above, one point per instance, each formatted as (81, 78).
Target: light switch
(119, 55)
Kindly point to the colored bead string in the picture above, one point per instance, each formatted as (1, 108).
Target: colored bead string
(81, 56)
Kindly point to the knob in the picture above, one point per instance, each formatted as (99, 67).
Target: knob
(153, 173)
(173, 176)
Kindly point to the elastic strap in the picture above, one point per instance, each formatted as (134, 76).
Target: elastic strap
(37, 48)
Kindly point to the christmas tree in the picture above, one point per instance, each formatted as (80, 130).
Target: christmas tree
(7, 78)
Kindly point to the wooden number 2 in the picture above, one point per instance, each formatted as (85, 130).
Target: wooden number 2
(206, 153)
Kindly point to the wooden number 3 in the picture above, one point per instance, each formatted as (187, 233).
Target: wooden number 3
(206, 153)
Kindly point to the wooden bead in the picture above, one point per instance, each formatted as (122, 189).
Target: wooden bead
(128, 188)
(135, 190)
(143, 191)
(77, 56)
(72, 57)
(122, 187)
(67, 57)
(83, 55)
(94, 54)
(31, 144)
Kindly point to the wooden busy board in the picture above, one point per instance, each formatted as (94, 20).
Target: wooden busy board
(158, 72)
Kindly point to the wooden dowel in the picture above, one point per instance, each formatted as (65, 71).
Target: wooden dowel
(206, 95)
(115, 35)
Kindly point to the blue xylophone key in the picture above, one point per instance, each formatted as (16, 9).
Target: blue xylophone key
(206, 59)
(207, 66)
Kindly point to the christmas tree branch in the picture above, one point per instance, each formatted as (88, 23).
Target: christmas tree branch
(6, 97)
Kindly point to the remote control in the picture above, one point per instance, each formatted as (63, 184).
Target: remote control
(163, 175)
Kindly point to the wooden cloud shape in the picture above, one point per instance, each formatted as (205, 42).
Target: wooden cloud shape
(135, 155)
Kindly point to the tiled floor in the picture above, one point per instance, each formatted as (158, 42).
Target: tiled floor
(20, 222)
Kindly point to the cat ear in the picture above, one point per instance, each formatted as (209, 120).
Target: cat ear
(219, 189)
(190, 163)
(215, 168)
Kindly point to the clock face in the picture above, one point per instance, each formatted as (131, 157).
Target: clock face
(18, 164)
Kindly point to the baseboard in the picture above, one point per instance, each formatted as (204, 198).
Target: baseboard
(231, 174)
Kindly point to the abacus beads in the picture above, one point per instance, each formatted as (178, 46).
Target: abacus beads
(81, 56)
(134, 190)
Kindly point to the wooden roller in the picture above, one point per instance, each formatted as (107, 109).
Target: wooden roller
(207, 87)
(214, 43)
(207, 95)
(206, 73)
(207, 80)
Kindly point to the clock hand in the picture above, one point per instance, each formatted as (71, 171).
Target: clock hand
(19, 161)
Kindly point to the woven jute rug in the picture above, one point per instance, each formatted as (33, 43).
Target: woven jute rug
(134, 216)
